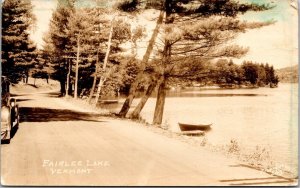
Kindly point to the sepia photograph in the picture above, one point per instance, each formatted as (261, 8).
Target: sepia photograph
(149, 93)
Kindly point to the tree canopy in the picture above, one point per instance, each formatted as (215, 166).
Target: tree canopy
(189, 35)
(192, 29)
(18, 50)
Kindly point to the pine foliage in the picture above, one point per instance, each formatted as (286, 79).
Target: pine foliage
(18, 51)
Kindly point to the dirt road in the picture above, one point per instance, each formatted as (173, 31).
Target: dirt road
(58, 143)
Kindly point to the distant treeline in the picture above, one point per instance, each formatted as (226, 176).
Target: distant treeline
(288, 74)
(226, 73)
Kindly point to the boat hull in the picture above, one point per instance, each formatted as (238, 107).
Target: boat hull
(192, 127)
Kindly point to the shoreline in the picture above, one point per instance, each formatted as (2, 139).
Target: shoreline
(258, 158)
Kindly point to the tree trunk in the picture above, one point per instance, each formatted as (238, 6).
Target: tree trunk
(62, 87)
(160, 103)
(99, 87)
(27, 76)
(134, 85)
(68, 79)
(136, 113)
(70, 90)
(93, 87)
(95, 74)
(67, 87)
(161, 93)
(95, 77)
(102, 78)
(70, 87)
(77, 67)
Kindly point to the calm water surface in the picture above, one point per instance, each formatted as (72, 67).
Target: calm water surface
(266, 117)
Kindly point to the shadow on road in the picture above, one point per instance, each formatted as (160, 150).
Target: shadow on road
(21, 100)
(28, 114)
(53, 94)
(16, 95)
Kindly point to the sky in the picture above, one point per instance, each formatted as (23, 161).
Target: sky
(276, 44)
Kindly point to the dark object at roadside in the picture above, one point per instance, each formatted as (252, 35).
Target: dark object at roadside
(9, 112)
(192, 127)
(108, 101)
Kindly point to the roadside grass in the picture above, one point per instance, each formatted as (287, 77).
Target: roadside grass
(258, 157)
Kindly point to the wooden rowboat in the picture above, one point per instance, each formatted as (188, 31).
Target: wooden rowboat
(191, 127)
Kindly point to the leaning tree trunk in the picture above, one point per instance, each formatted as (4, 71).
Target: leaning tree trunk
(136, 113)
(99, 87)
(160, 103)
(95, 74)
(102, 78)
(134, 85)
(161, 93)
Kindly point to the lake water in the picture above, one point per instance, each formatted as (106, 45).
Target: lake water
(266, 117)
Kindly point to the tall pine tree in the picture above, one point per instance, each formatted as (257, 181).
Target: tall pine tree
(58, 40)
(18, 51)
(194, 28)
(82, 40)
